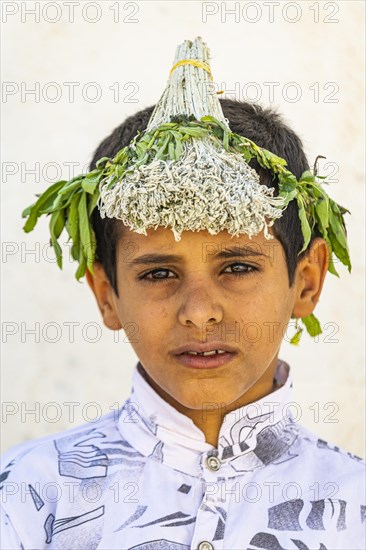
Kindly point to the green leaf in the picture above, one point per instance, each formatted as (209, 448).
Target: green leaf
(274, 159)
(307, 176)
(161, 150)
(210, 121)
(33, 211)
(121, 156)
(336, 224)
(71, 197)
(103, 159)
(226, 140)
(178, 148)
(56, 205)
(288, 196)
(87, 236)
(193, 132)
(154, 136)
(287, 182)
(322, 214)
(57, 224)
(26, 211)
(305, 227)
(62, 199)
(296, 337)
(70, 185)
(73, 216)
(177, 135)
(93, 242)
(93, 202)
(80, 272)
(312, 325)
(331, 267)
(91, 181)
(339, 251)
(119, 171)
(247, 155)
(75, 250)
(171, 150)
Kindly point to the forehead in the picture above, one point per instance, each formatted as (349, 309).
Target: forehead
(193, 244)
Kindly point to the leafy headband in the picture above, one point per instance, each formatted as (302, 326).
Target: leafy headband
(188, 171)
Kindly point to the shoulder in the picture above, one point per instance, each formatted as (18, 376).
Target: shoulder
(329, 449)
(42, 455)
(69, 475)
(329, 460)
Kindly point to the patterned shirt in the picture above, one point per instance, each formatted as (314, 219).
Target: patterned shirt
(144, 478)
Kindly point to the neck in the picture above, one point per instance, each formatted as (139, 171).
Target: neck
(210, 425)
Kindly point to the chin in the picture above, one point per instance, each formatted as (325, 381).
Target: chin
(206, 400)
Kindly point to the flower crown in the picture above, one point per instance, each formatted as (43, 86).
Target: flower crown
(188, 171)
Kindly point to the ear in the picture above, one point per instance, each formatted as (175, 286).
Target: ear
(104, 294)
(310, 275)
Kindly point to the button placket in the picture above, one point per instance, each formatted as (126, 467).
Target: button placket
(207, 519)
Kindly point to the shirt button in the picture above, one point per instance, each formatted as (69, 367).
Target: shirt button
(213, 463)
(205, 545)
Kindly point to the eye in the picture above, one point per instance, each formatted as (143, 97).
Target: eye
(154, 271)
(149, 277)
(249, 269)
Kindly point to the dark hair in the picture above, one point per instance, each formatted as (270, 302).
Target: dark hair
(262, 125)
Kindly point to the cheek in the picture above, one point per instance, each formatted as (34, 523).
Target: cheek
(262, 317)
(152, 317)
(151, 324)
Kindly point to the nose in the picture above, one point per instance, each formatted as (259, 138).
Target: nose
(199, 307)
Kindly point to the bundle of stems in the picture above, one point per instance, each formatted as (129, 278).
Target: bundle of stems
(183, 173)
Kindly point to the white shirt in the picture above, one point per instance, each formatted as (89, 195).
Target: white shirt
(145, 479)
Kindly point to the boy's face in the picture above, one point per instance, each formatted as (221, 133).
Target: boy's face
(244, 301)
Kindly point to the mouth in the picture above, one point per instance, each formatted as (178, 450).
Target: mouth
(205, 360)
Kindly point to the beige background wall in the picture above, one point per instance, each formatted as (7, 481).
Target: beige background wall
(308, 53)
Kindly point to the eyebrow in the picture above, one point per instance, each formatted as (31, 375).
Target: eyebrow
(159, 258)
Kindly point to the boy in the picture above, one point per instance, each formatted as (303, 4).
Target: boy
(205, 453)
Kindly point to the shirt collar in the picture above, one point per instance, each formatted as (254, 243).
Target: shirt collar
(250, 437)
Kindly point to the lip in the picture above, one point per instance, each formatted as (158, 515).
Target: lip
(200, 347)
(202, 362)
